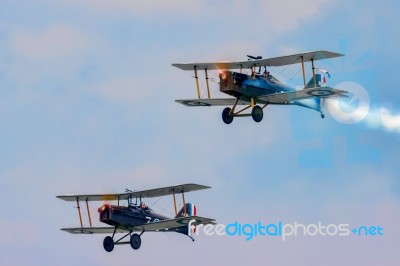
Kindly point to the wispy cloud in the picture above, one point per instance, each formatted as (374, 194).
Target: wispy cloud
(279, 18)
(54, 43)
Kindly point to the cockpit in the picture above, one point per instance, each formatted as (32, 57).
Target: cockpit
(272, 79)
(142, 207)
(267, 76)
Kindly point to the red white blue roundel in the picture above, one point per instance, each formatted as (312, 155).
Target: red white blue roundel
(191, 209)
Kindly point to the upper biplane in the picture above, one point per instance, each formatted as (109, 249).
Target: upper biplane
(137, 216)
(262, 88)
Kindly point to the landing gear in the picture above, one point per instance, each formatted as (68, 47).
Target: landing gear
(226, 115)
(257, 113)
(135, 241)
(322, 116)
(108, 243)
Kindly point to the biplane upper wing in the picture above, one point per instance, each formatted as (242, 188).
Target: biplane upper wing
(162, 226)
(150, 193)
(274, 61)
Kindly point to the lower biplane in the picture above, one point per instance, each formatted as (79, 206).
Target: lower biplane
(137, 216)
(258, 90)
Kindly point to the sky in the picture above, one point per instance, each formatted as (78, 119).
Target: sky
(87, 105)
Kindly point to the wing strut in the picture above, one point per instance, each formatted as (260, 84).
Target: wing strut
(78, 206)
(208, 86)
(302, 68)
(197, 81)
(87, 207)
(313, 73)
(184, 204)
(79, 211)
(176, 211)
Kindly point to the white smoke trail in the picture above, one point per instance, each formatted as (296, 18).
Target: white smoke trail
(388, 121)
(356, 109)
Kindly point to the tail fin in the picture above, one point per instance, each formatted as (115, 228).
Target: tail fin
(190, 210)
(320, 81)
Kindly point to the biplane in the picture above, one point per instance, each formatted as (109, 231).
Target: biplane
(137, 216)
(258, 90)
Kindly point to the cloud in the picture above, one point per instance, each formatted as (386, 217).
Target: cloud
(53, 54)
(278, 17)
(140, 8)
(121, 90)
(54, 43)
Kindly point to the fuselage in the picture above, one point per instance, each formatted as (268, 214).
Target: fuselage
(132, 216)
(245, 87)
(126, 217)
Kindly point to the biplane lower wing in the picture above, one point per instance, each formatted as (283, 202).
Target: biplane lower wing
(161, 226)
(93, 230)
(212, 102)
(277, 98)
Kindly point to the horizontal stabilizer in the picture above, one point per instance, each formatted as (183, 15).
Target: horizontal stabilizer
(288, 97)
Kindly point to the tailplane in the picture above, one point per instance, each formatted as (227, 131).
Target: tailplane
(320, 81)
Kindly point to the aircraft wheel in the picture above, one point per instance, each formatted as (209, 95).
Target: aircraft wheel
(226, 117)
(257, 113)
(322, 116)
(135, 241)
(108, 243)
